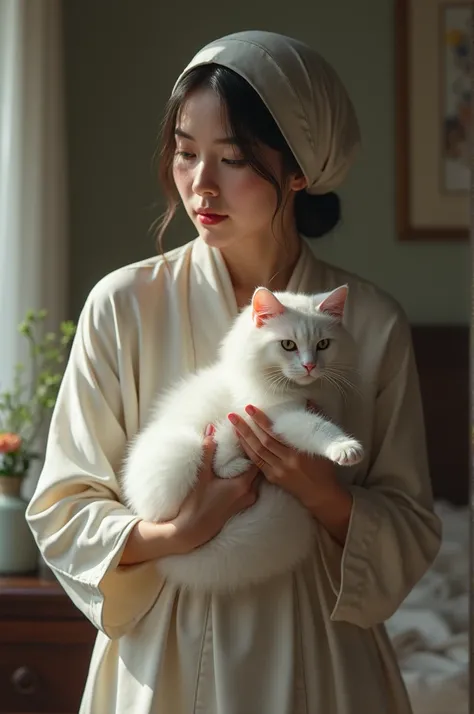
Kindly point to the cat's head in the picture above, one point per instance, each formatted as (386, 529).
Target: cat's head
(292, 340)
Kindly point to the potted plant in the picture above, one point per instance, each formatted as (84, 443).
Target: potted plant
(23, 412)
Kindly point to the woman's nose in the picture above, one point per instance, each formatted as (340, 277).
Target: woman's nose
(205, 183)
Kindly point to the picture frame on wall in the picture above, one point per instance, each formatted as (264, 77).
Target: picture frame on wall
(434, 109)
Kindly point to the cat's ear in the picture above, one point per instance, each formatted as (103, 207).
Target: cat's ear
(333, 304)
(265, 306)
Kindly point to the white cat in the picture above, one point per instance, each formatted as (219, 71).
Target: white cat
(275, 353)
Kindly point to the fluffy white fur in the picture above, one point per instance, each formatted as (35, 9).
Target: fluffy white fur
(253, 367)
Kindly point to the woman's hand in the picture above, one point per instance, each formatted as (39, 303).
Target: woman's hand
(311, 479)
(212, 502)
(302, 475)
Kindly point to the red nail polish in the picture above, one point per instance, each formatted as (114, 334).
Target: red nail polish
(232, 418)
(210, 429)
(251, 411)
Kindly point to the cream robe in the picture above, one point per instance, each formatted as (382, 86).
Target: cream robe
(310, 642)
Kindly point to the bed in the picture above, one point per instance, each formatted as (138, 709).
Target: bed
(430, 629)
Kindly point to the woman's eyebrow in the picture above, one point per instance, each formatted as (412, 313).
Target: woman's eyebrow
(224, 140)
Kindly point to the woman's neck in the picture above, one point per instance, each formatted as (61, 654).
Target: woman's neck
(269, 265)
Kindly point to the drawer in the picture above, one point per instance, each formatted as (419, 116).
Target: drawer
(42, 678)
(42, 674)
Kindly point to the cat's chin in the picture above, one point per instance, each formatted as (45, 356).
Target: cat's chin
(303, 380)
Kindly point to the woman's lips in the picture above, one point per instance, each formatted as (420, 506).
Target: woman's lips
(210, 219)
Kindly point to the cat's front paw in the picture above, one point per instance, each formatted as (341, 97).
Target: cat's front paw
(346, 452)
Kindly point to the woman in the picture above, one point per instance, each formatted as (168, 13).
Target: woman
(257, 134)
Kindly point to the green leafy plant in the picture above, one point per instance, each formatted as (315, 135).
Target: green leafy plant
(24, 408)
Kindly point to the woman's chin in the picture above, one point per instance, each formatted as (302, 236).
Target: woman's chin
(215, 238)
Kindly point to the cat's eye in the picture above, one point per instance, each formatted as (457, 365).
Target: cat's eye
(289, 345)
(323, 344)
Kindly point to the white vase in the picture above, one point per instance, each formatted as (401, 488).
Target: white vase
(18, 551)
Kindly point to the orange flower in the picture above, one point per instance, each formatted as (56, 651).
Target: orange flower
(9, 443)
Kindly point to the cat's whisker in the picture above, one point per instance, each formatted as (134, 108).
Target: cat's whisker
(343, 371)
(335, 377)
(341, 382)
(352, 387)
(344, 380)
(276, 380)
(343, 368)
(334, 382)
(275, 372)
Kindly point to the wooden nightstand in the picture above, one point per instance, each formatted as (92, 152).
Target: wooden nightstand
(45, 648)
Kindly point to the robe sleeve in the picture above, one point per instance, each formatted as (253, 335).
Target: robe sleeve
(394, 534)
(75, 513)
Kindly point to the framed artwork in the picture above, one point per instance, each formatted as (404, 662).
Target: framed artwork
(434, 110)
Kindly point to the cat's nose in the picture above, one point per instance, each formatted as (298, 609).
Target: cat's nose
(309, 366)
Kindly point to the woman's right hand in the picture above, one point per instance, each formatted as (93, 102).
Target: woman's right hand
(212, 502)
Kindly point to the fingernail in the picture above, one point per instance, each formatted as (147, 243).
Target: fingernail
(232, 418)
(210, 429)
(251, 411)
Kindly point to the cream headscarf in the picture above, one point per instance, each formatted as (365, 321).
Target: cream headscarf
(304, 95)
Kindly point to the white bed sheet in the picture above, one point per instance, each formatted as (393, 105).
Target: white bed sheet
(430, 630)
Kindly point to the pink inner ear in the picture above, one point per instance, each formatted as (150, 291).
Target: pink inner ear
(334, 303)
(265, 306)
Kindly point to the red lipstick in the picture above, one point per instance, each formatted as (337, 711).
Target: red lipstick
(210, 219)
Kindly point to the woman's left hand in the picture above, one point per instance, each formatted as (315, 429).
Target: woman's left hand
(309, 478)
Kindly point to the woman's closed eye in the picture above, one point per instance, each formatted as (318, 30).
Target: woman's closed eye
(186, 155)
(235, 162)
(189, 156)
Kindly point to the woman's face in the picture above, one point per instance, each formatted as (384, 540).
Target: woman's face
(224, 197)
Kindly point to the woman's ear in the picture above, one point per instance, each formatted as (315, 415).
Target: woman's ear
(298, 182)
